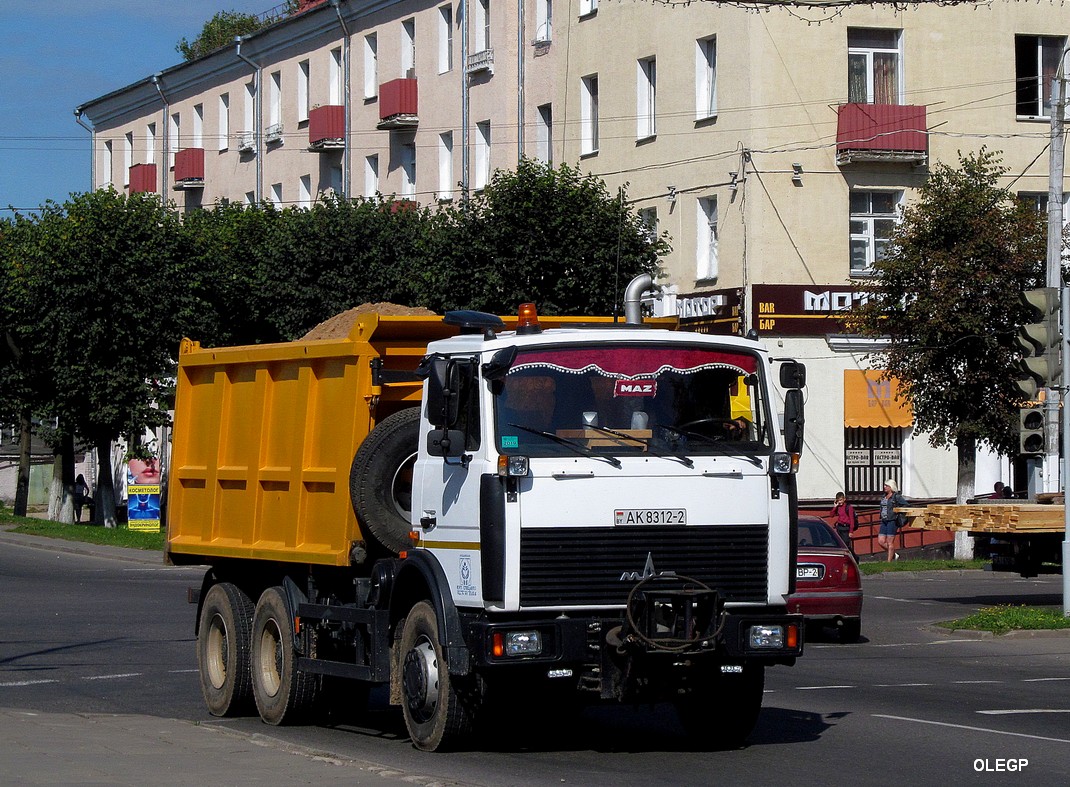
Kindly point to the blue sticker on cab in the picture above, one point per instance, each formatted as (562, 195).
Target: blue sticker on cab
(510, 441)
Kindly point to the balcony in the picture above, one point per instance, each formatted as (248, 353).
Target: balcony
(273, 134)
(480, 61)
(881, 132)
(327, 128)
(189, 169)
(142, 178)
(247, 142)
(398, 104)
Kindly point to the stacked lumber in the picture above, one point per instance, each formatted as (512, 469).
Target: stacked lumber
(1031, 517)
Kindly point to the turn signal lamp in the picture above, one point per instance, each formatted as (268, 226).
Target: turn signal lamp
(527, 319)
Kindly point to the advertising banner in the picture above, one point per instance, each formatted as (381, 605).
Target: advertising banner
(143, 494)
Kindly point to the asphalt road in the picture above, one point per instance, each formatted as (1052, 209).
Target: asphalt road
(98, 686)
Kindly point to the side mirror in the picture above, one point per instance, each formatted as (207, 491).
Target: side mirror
(793, 421)
(498, 365)
(792, 375)
(443, 387)
(445, 442)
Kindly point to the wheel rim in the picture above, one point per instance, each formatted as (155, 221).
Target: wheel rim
(271, 657)
(420, 680)
(401, 487)
(217, 647)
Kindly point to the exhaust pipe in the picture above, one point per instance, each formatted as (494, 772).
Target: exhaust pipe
(633, 293)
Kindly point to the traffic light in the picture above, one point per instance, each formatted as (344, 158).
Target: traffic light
(1031, 430)
(1040, 340)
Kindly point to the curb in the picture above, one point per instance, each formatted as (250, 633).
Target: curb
(148, 557)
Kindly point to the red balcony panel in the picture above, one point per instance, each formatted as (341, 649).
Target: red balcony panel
(304, 5)
(875, 132)
(327, 124)
(398, 97)
(142, 178)
(189, 165)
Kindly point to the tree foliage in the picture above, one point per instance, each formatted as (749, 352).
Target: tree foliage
(219, 31)
(946, 298)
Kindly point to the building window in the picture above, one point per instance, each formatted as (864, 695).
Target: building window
(304, 192)
(408, 49)
(646, 88)
(250, 198)
(1040, 203)
(706, 78)
(408, 170)
(335, 176)
(249, 114)
(173, 139)
(589, 115)
(482, 174)
(198, 127)
(544, 20)
(706, 267)
(224, 121)
(588, 7)
(445, 39)
(1036, 61)
(873, 218)
(275, 99)
(303, 77)
(276, 195)
(544, 139)
(481, 26)
(873, 63)
(150, 143)
(108, 164)
(445, 165)
(371, 175)
(371, 66)
(648, 218)
(335, 83)
(128, 156)
(872, 455)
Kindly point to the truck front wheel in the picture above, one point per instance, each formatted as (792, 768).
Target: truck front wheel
(722, 712)
(223, 638)
(284, 694)
(439, 710)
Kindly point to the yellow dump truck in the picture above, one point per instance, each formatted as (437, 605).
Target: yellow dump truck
(461, 508)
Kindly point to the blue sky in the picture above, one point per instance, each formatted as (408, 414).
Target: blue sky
(57, 54)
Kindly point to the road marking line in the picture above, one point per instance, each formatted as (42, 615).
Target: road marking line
(1040, 680)
(904, 600)
(973, 729)
(111, 677)
(17, 683)
(1023, 710)
(899, 685)
(173, 671)
(967, 682)
(817, 688)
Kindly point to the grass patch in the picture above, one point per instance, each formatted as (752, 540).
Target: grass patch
(1007, 617)
(91, 534)
(882, 566)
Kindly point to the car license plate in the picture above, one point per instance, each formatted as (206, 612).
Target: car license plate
(808, 572)
(650, 516)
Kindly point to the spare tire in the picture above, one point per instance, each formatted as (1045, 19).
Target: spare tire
(380, 481)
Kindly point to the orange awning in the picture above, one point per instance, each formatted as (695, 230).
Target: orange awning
(871, 402)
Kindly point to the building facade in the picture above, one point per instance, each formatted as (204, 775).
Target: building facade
(775, 147)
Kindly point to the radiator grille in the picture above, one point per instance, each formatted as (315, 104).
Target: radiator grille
(583, 566)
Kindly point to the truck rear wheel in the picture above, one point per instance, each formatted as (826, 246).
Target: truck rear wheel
(723, 711)
(223, 639)
(439, 710)
(380, 480)
(283, 693)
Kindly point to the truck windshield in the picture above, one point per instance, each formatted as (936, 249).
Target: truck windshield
(667, 400)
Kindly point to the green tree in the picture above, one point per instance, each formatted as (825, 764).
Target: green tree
(218, 32)
(946, 298)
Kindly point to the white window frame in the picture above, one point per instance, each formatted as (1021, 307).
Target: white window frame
(544, 134)
(864, 225)
(303, 83)
(250, 198)
(706, 78)
(707, 255)
(408, 47)
(197, 140)
(445, 39)
(869, 52)
(544, 21)
(371, 175)
(150, 143)
(371, 65)
(249, 115)
(276, 195)
(646, 92)
(588, 7)
(589, 115)
(109, 163)
(304, 192)
(649, 218)
(481, 26)
(173, 137)
(445, 166)
(481, 176)
(408, 170)
(335, 82)
(224, 121)
(275, 99)
(1041, 107)
(337, 187)
(128, 156)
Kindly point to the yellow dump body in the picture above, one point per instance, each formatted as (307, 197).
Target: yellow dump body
(264, 437)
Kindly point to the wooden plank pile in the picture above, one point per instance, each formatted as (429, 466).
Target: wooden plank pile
(1032, 517)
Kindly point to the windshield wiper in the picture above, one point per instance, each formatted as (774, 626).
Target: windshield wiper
(647, 441)
(717, 449)
(571, 444)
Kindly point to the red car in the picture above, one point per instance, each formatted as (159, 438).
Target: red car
(828, 585)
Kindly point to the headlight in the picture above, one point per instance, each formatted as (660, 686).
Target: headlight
(784, 463)
(516, 643)
(766, 637)
(512, 466)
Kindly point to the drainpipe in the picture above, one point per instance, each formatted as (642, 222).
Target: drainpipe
(258, 117)
(166, 136)
(92, 149)
(520, 80)
(347, 149)
(463, 6)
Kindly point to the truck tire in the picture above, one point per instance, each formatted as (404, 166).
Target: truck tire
(723, 712)
(283, 693)
(439, 710)
(380, 480)
(223, 641)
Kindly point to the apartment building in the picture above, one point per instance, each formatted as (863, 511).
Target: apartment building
(776, 148)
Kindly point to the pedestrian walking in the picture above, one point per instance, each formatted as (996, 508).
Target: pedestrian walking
(890, 521)
(845, 520)
(81, 496)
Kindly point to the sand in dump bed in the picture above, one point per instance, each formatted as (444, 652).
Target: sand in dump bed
(339, 326)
